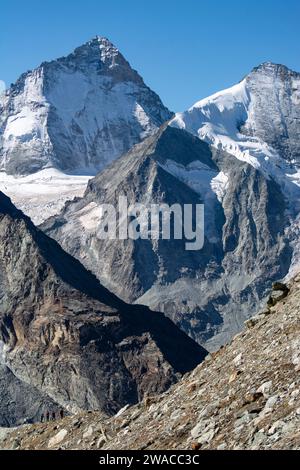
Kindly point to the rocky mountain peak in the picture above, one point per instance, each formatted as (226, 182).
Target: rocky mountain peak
(173, 166)
(272, 68)
(103, 45)
(101, 42)
(100, 53)
(256, 120)
(76, 113)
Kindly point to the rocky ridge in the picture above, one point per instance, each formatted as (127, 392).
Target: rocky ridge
(67, 338)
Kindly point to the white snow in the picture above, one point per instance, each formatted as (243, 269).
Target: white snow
(141, 116)
(27, 122)
(219, 184)
(42, 194)
(90, 216)
(21, 124)
(69, 94)
(216, 120)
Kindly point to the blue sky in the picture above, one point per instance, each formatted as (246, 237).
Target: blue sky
(185, 50)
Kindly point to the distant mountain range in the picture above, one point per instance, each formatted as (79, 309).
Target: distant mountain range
(247, 177)
(80, 131)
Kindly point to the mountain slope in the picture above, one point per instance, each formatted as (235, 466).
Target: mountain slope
(43, 194)
(208, 293)
(245, 396)
(256, 120)
(76, 113)
(21, 402)
(67, 119)
(67, 336)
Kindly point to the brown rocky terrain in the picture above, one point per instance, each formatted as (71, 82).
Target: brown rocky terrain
(245, 396)
(66, 338)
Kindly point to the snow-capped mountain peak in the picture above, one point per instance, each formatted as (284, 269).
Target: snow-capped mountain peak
(76, 113)
(66, 120)
(101, 54)
(271, 67)
(256, 120)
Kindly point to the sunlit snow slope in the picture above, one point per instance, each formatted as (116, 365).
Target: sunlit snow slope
(44, 193)
(256, 120)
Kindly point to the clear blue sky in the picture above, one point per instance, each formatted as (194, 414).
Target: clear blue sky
(185, 50)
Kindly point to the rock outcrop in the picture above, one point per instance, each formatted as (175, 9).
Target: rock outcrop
(21, 402)
(245, 396)
(65, 335)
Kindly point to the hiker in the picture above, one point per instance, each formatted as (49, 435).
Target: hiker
(61, 414)
(42, 417)
(53, 416)
(48, 416)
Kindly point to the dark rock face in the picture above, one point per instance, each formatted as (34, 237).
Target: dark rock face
(76, 113)
(20, 402)
(210, 292)
(68, 337)
(276, 90)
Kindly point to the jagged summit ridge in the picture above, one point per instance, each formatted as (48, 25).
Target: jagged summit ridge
(101, 55)
(273, 67)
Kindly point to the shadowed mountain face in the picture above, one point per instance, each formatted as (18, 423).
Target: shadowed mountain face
(69, 338)
(21, 402)
(210, 292)
(76, 113)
